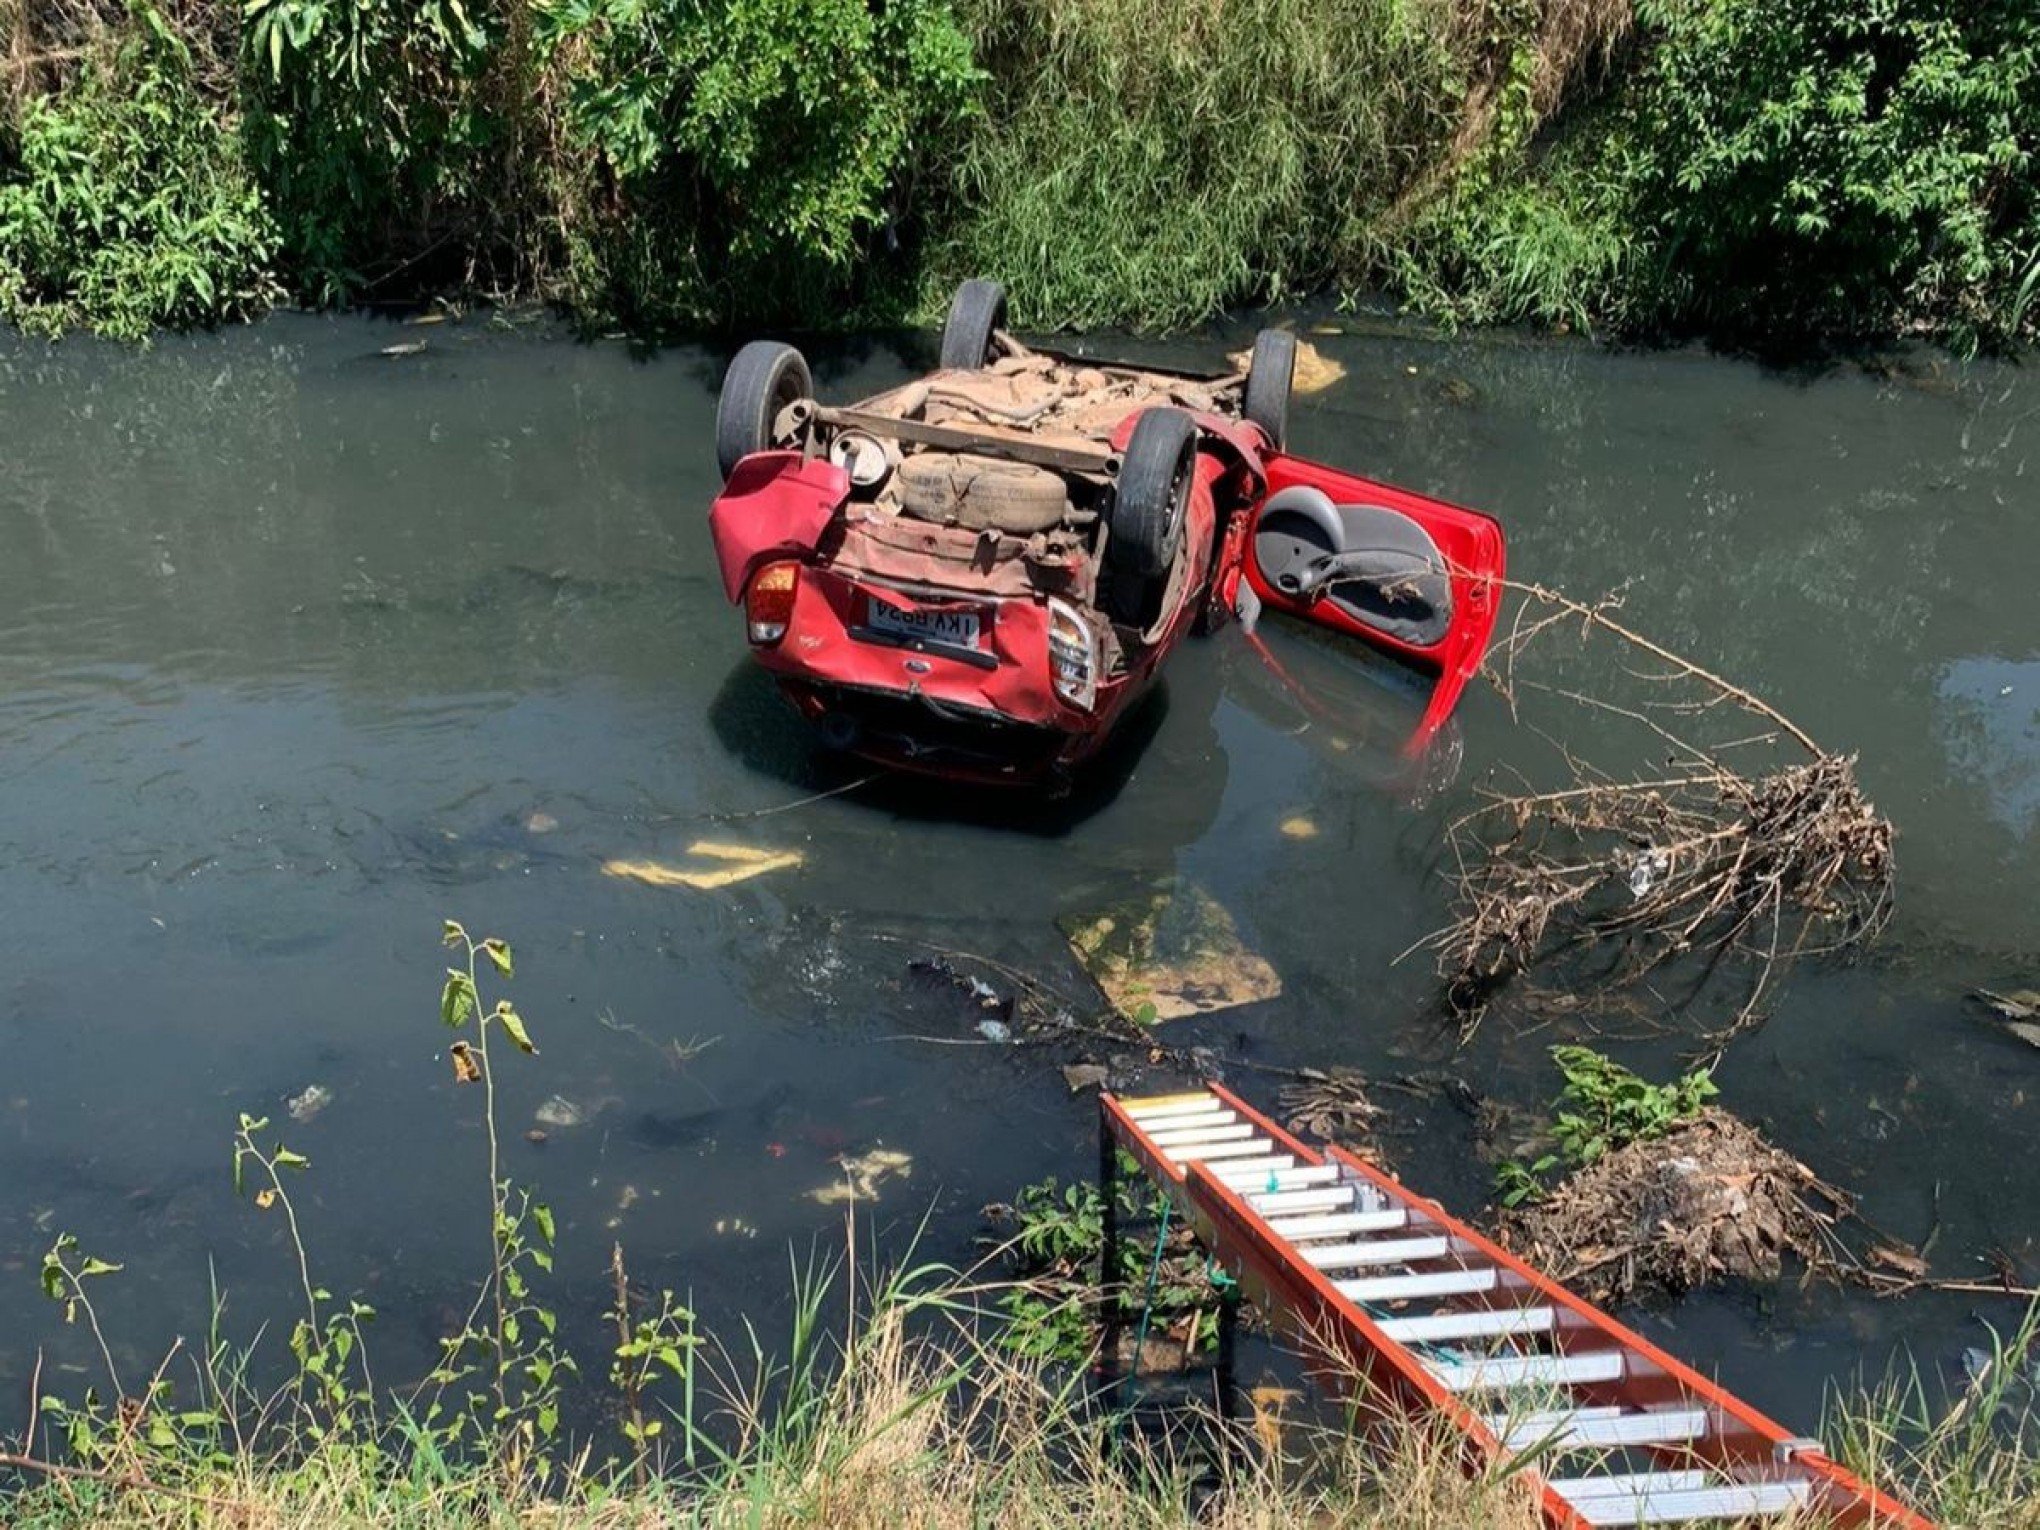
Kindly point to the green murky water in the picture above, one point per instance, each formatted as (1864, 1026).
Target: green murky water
(303, 648)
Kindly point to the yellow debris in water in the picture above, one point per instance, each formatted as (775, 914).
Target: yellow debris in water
(862, 1175)
(1299, 827)
(741, 863)
(1270, 1403)
(1315, 371)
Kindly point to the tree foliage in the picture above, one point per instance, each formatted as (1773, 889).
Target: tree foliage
(1760, 169)
(1841, 166)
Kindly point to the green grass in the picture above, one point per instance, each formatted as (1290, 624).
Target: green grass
(919, 1415)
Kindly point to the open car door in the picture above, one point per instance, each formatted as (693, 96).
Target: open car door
(1415, 577)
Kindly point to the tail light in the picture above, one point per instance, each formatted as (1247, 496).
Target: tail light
(1072, 655)
(768, 603)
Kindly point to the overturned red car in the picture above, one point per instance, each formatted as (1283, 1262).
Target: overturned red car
(976, 574)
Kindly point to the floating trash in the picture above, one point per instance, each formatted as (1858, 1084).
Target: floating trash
(305, 1106)
(559, 1112)
(862, 1175)
(1315, 371)
(1299, 827)
(740, 864)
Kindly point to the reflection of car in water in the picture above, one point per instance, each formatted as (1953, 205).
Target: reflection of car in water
(1347, 704)
(975, 575)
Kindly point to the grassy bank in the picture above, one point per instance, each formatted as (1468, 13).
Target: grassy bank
(1760, 170)
(922, 1418)
(922, 1396)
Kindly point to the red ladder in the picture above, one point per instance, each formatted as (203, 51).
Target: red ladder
(1427, 1315)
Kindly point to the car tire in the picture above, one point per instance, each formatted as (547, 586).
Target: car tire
(976, 314)
(1151, 495)
(762, 380)
(1270, 373)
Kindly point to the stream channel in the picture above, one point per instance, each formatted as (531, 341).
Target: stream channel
(304, 647)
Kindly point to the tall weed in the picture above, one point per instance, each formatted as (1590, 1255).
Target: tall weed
(1150, 163)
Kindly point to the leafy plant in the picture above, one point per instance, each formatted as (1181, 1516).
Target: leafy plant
(1613, 1107)
(1057, 1241)
(1826, 166)
(380, 129)
(323, 1342)
(746, 147)
(506, 1354)
(126, 204)
(661, 1341)
(1603, 1107)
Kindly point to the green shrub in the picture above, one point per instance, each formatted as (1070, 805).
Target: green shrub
(1603, 1108)
(745, 150)
(1828, 166)
(380, 129)
(127, 205)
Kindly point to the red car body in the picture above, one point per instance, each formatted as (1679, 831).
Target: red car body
(928, 647)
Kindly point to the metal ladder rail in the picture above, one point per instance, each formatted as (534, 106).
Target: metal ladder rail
(1655, 1498)
(1212, 1136)
(1789, 1472)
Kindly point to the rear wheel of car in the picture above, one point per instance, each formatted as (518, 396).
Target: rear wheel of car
(1270, 372)
(976, 314)
(1151, 496)
(764, 379)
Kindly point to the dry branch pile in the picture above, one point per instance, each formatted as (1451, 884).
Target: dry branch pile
(1733, 865)
(1710, 1200)
(1333, 1108)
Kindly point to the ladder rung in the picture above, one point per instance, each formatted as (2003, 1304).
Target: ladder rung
(1251, 1147)
(1494, 1373)
(1297, 1229)
(1239, 1131)
(1155, 1106)
(1353, 1256)
(1289, 1202)
(1218, 1116)
(1588, 1428)
(1248, 1179)
(1481, 1323)
(1398, 1288)
(1625, 1484)
(1736, 1500)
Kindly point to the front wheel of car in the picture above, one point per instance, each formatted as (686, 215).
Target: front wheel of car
(1151, 496)
(764, 379)
(976, 314)
(1270, 373)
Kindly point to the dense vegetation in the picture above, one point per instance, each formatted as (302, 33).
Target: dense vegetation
(1754, 169)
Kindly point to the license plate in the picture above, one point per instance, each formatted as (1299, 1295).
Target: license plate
(952, 629)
